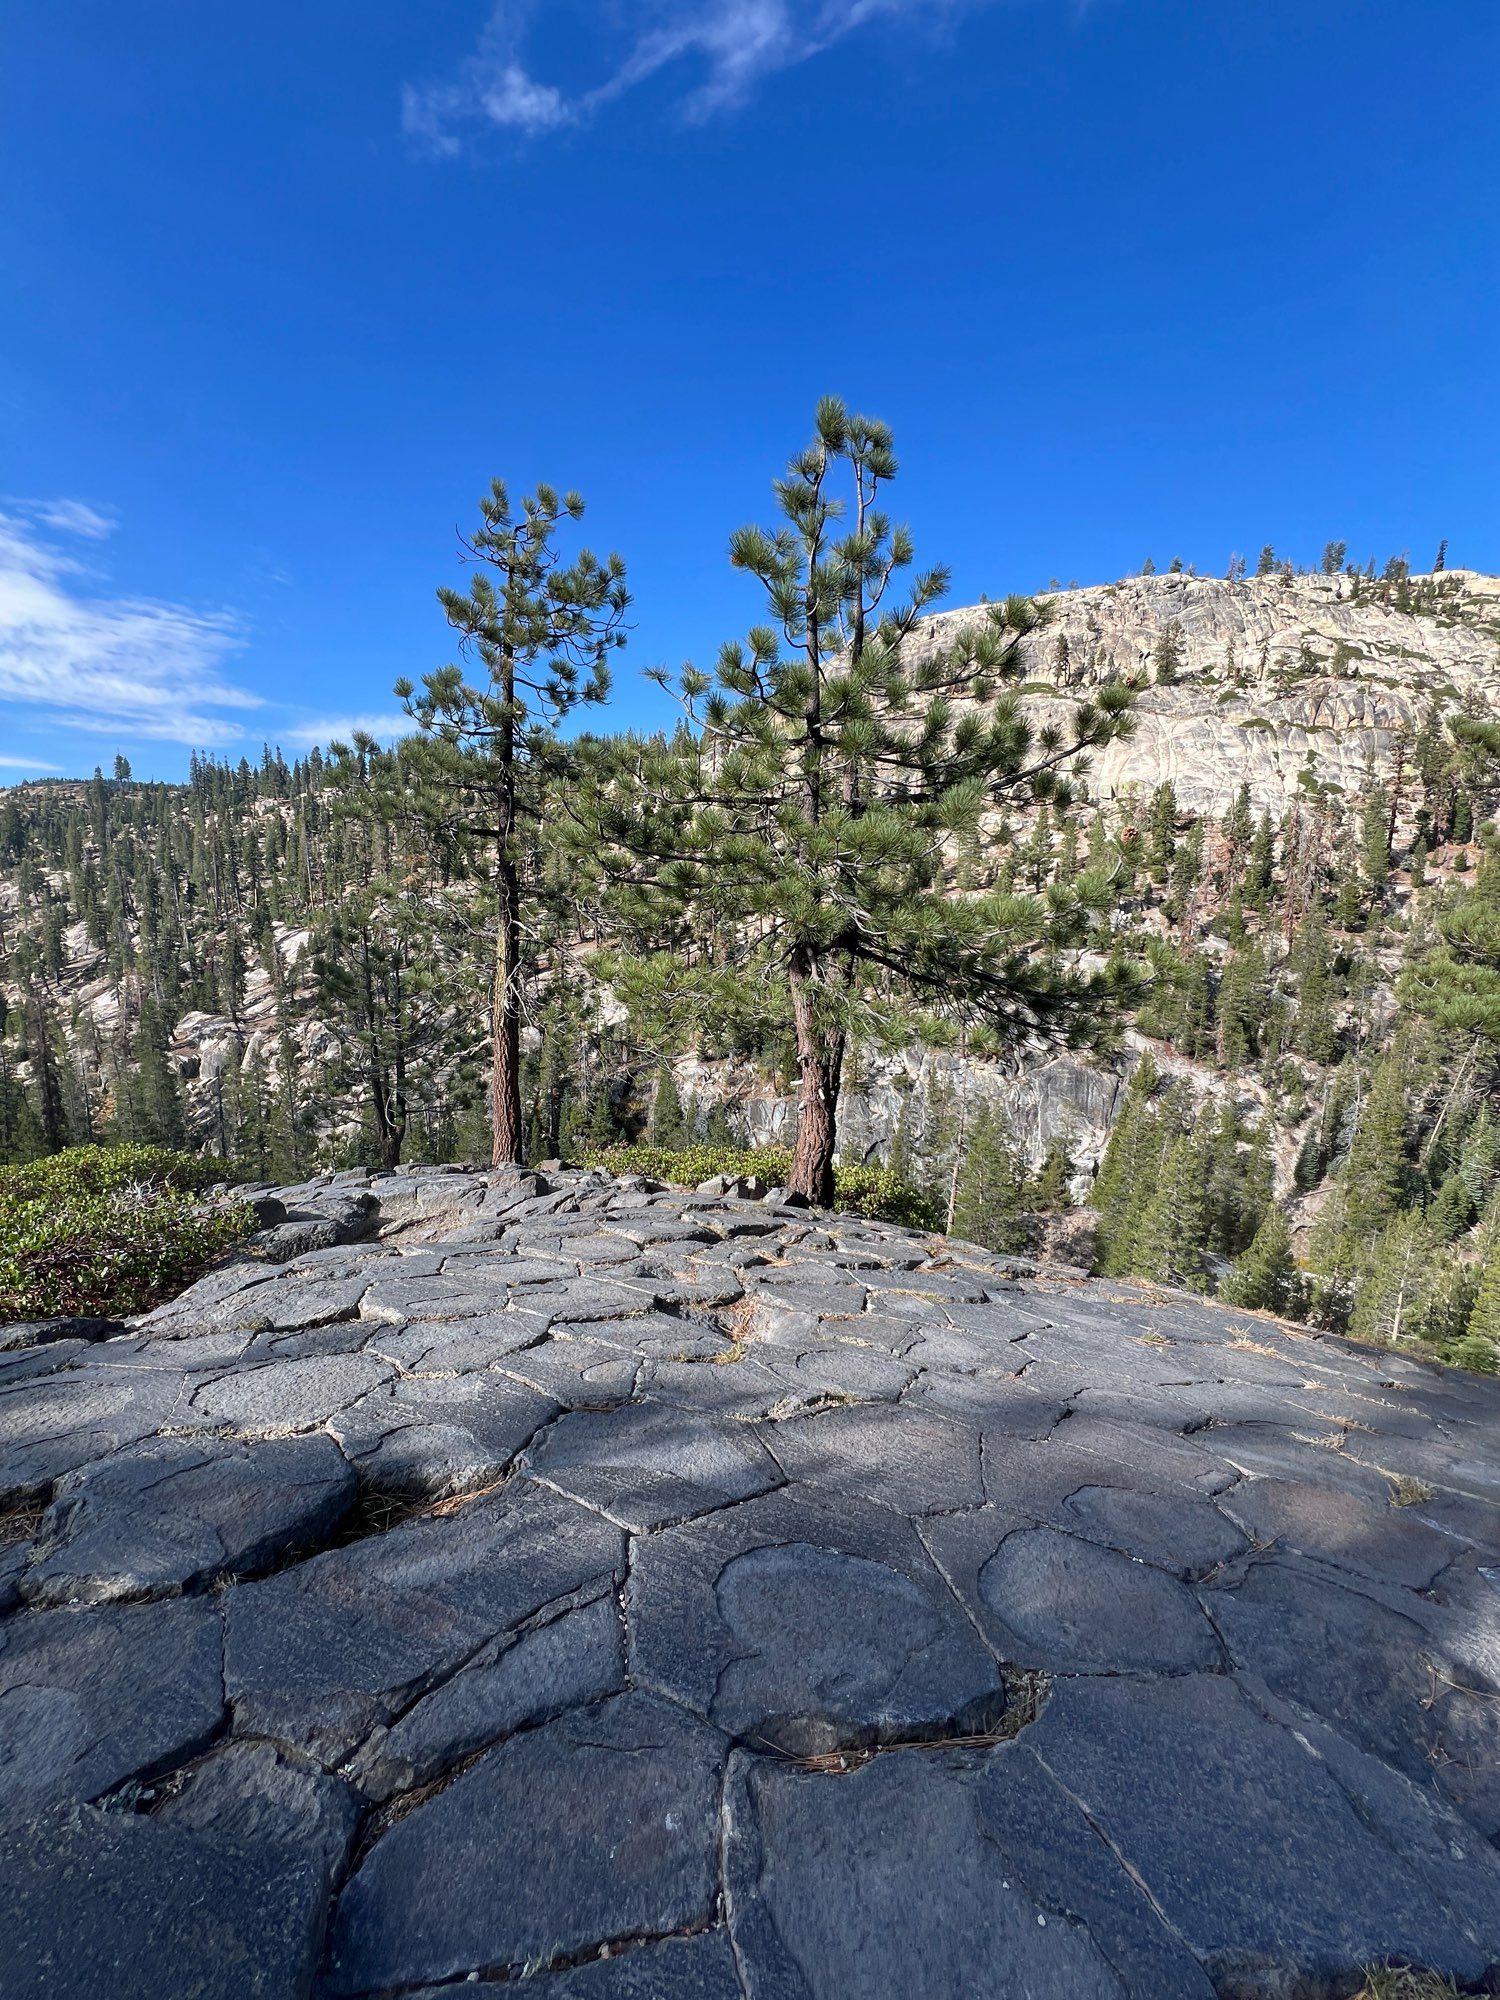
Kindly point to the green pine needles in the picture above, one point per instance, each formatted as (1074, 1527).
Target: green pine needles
(805, 827)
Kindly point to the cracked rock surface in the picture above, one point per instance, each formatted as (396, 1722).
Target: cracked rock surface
(586, 1590)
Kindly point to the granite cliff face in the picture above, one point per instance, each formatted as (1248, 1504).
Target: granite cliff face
(1316, 674)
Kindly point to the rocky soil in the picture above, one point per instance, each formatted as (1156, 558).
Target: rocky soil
(589, 1591)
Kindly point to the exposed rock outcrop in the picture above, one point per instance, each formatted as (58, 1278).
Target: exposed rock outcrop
(586, 1590)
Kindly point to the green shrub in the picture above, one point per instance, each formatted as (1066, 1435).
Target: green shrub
(108, 1230)
(874, 1192)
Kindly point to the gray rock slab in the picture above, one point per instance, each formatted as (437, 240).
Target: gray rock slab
(399, 1296)
(1050, 1848)
(1175, 1531)
(794, 1629)
(562, 1662)
(288, 1395)
(906, 1459)
(89, 1699)
(106, 1903)
(320, 1655)
(1326, 1895)
(882, 1882)
(455, 1347)
(689, 1968)
(1383, 1677)
(1370, 1537)
(577, 1374)
(599, 1826)
(52, 1426)
(265, 1795)
(646, 1464)
(439, 1435)
(171, 1514)
(1062, 1604)
(1265, 1747)
(24, 1364)
(654, 1335)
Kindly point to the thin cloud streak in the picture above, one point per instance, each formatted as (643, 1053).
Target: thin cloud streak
(131, 666)
(730, 45)
(343, 728)
(8, 763)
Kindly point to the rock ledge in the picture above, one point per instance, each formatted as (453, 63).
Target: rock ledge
(593, 1591)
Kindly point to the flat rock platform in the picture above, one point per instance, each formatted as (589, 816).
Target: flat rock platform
(574, 1589)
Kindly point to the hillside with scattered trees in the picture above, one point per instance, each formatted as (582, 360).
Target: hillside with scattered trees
(1227, 840)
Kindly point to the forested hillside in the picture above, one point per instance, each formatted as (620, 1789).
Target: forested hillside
(1290, 1094)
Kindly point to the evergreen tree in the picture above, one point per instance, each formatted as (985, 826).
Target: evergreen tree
(1388, 1304)
(1265, 1277)
(541, 635)
(1166, 655)
(666, 1126)
(801, 823)
(989, 1188)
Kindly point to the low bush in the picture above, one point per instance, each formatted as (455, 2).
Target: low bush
(869, 1191)
(106, 1230)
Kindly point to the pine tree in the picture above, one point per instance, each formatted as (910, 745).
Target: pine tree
(1167, 1242)
(988, 1193)
(800, 824)
(666, 1125)
(1265, 1278)
(1166, 656)
(542, 636)
(1388, 1301)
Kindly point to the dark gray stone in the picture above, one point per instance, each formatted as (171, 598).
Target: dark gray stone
(288, 1395)
(791, 1628)
(264, 1795)
(172, 1513)
(902, 1458)
(647, 1463)
(107, 1903)
(321, 1654)
(439, 1435)
(578, 1656)
(858, 1473)
(1366, 1536)
(52, 1426)
(89, 1699)
(1384, 1678)
(47, 1332)
(1187, 1781)
(689, 1968)
(1175, 1531)
(1065, 1605)
(884, 1883)
(602, 1825)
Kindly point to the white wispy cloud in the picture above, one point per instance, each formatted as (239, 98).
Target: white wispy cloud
(343, 728)
(75, 517)
(724, 48)
(81, 658)
(9, 763)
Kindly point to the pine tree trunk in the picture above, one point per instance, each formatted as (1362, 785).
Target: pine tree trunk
(820, 1061)
(507, 1143)
(505, 1029)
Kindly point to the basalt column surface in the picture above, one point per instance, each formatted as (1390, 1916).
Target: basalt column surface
(585, 1590)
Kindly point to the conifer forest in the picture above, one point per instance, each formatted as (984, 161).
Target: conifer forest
(889, 863)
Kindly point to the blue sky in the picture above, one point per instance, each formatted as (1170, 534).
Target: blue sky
(281, 287)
